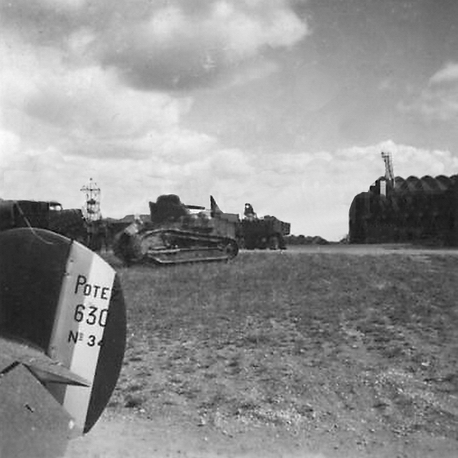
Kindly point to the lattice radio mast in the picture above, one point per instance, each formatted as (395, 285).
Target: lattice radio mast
(92, 207)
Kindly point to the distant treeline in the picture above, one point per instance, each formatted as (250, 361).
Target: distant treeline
(305, 240)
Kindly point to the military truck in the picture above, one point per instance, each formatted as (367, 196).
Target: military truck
(47, 215)
(262, 232)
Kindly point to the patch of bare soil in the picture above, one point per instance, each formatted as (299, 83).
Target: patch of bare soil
(312, 355)
(170, 436)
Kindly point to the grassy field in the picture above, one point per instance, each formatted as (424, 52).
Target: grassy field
(312, 343)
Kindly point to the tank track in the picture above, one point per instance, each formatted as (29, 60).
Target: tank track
(172, 246)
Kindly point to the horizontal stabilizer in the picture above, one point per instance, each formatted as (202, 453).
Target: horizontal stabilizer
(43, 367)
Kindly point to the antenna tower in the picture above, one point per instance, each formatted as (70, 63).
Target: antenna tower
(92, 207)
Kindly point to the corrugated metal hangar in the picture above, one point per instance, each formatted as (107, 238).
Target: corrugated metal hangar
(419, 210)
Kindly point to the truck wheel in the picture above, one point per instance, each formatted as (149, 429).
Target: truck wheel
(250, 243)
(262, 243)
(231, 249)
(274, 242)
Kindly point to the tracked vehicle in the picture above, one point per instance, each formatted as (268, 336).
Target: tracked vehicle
(178, 233)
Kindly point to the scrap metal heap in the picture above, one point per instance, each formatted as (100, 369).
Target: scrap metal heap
(178, 233)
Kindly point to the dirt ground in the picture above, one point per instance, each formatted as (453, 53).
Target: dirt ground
(134, 437)
(353, 431)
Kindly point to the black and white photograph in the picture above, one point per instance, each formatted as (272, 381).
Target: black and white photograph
(229, 228)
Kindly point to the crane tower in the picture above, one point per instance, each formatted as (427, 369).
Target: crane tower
(389, 173)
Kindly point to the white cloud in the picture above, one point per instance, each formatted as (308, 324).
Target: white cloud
(184, 44)
(174, 48)
(82, 111)
(55, 95)
(448, 73)
(410, 160)
(9, 146)
(182, 146)
(439, 99)
(245, 31)
(70, 5)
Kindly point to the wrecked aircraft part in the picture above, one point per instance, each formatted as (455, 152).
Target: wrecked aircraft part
(62, 341)
(176, 236)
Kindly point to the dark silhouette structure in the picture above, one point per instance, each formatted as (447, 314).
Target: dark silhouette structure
(419, 210)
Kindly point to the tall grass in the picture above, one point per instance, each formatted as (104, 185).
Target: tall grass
(293, 339)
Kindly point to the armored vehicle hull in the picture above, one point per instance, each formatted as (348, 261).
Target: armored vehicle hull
(175, 235)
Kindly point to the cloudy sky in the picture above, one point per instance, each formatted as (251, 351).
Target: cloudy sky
(286, 104)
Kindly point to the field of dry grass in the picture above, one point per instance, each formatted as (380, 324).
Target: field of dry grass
(360, 349)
